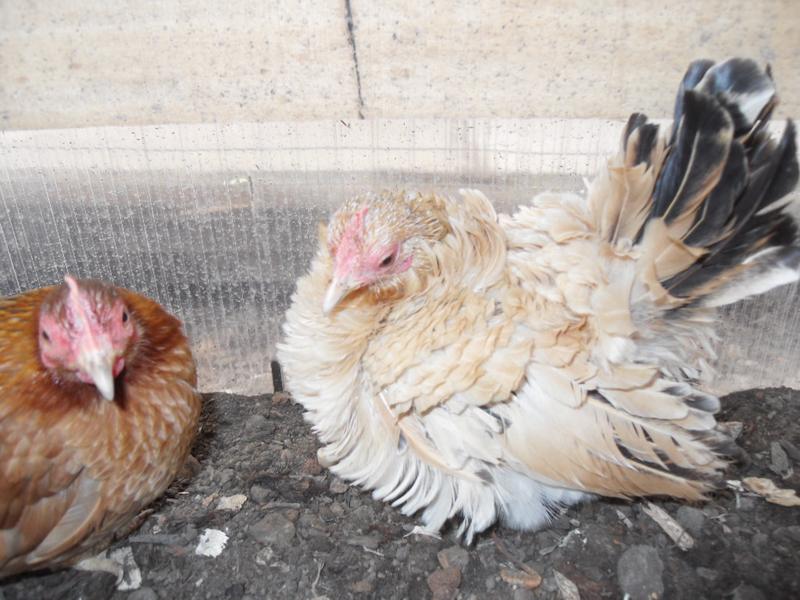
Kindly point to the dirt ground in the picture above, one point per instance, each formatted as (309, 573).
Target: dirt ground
(302, 533)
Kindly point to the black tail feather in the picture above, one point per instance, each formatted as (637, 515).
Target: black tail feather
(739, 85)
(771, 181)
(723, 165)
(639, 150)
(693, 75)
(786, 175)
(717, 210)
(703, 141)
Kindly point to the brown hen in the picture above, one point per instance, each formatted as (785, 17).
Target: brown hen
(98, 409)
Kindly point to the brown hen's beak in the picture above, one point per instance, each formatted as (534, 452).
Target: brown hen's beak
(99, 366)
(336, 291)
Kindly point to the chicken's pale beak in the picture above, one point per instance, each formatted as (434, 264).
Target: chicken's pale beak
(336, 291)
(99, 367)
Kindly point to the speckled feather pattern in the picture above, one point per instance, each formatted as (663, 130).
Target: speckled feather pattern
(76, 468)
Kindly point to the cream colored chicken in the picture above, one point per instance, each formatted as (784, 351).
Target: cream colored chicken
(483, 367)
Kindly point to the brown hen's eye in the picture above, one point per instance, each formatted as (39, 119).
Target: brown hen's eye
(124, 316)
(387, 261)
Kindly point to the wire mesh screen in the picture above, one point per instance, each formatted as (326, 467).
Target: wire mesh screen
(217, 222)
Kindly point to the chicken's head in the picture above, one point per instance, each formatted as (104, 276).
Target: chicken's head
(86, 332)
(374, 241)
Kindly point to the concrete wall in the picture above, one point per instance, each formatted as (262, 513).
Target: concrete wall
(127, 62)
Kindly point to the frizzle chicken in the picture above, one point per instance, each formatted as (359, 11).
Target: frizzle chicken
(465, 364)
(98, 409)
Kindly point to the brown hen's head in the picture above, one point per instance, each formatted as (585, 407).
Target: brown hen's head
(86, 333)
(373, 241)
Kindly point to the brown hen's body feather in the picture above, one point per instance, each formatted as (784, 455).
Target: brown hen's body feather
(76, 468)
(530, 361)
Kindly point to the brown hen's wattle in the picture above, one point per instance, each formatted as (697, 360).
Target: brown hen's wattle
(76, 468)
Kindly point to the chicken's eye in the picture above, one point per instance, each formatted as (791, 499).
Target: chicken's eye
(124, 316)
(387, 261)
(45, 337)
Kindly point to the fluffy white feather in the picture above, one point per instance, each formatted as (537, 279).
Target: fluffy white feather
(498, 367)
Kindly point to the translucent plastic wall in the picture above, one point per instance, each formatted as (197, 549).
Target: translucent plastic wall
(217, 222)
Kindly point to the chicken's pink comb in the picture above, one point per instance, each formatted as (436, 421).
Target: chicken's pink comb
(350, 244)
(356, 225)
(77, 303)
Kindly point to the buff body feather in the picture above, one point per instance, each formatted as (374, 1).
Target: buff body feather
(531, 361)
